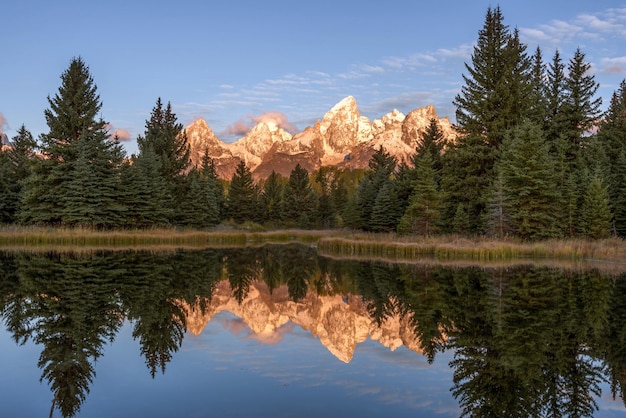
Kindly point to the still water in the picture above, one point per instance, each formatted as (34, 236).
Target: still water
(281, 331)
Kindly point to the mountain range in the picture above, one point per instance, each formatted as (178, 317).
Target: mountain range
(342, 138)
(339, 322)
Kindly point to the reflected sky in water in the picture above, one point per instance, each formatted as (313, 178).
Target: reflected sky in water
(221, 373)
(504, 328)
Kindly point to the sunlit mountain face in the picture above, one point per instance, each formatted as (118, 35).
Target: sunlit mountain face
(341, 138)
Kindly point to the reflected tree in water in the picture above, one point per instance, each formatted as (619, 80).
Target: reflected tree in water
(528, 341)
(242, 267)
(69, 308)
(612, 348)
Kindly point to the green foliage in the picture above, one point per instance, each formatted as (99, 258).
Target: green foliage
(581, 107)
(241, 201)
(165, 136)
(495, 95)
(612, 138)
(77, 181)
(596, 213)
(201, 207)
(530, 183)
(424, 211)
(300, 200)
(466, 179)
(146, 195)
(384, 216)
(376, 179)
(73, 110)
(271, 199)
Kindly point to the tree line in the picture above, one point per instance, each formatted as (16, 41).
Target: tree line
(535, 158)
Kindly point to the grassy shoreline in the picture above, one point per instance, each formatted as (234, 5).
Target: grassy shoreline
(334, 242)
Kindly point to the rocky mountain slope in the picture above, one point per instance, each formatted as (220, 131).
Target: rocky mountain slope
(340, 323)
(341, 138)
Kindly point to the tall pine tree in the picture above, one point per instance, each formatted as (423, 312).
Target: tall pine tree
(300, 200)
(530, 183)
(242, 196)
(497, 90)
(52, 189)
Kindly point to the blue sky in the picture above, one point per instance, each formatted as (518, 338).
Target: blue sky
(230, 62)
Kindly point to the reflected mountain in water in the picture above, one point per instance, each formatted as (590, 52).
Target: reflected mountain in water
(340, 322)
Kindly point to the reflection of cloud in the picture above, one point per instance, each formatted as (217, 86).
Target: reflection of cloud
(273, 337)
(238, 327)
(235, 326)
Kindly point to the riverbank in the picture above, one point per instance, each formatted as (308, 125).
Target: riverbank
(336, 242)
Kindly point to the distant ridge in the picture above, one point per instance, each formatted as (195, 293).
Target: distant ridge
(342, 138)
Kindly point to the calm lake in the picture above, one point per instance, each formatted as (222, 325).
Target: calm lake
(280, 331)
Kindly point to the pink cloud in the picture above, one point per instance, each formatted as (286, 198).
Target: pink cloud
(614, 69)
(4, 139)
(240, 127)
(244, 125)
(122, 135)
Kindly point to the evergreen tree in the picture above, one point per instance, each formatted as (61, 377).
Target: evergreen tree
(300, 200)
(424, 211)
(498, 221)
(466, 178)
(384, 216)
(530, 183)
(52, 189)
(596, 213)
(460, 222)
(15, 166)
(73, 110)
(612, 138)
(569, 181)
(581, 108)
(8, 196)
(201, 205)
(555, 125)
(21, 152)
(92, 194)
(208, 172)
(272, 198)
(403, 182)
(165, 136)
(241, 200)
(433, 143)
(618, 195)
(538, 112)
(167, 139)
(326, 211)
(146, 195)
(381, 167)
(497, 90)
(496, 96)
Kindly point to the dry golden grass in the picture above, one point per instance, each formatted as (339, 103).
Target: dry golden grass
(480, 249)
(339, 243)
(16, 238)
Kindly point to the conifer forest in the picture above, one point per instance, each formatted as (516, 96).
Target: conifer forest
(536, 157)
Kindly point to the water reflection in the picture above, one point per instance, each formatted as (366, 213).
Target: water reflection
(527, 341)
